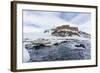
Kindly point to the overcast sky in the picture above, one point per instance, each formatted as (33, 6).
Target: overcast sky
(37, 21)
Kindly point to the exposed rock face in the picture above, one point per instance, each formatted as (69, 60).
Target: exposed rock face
(67, 27)
(65, 30)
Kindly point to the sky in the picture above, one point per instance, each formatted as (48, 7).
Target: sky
(38, 21)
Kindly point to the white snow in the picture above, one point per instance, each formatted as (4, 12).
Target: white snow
(26, 56)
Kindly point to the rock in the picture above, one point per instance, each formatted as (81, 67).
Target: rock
(65, 30)
(56, 44)
(41, 41)
(28, 46)
(81, 45)
(40, 46)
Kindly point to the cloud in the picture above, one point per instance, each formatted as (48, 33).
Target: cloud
(37, 21)
(29, 29)
(44, 20)
(86, 27)
(69, 15)
(81, 18)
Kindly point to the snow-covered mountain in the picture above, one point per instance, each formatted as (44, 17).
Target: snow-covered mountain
(61, 43)
(67, 31)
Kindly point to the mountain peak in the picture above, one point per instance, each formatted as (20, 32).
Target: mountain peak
(65, 30)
